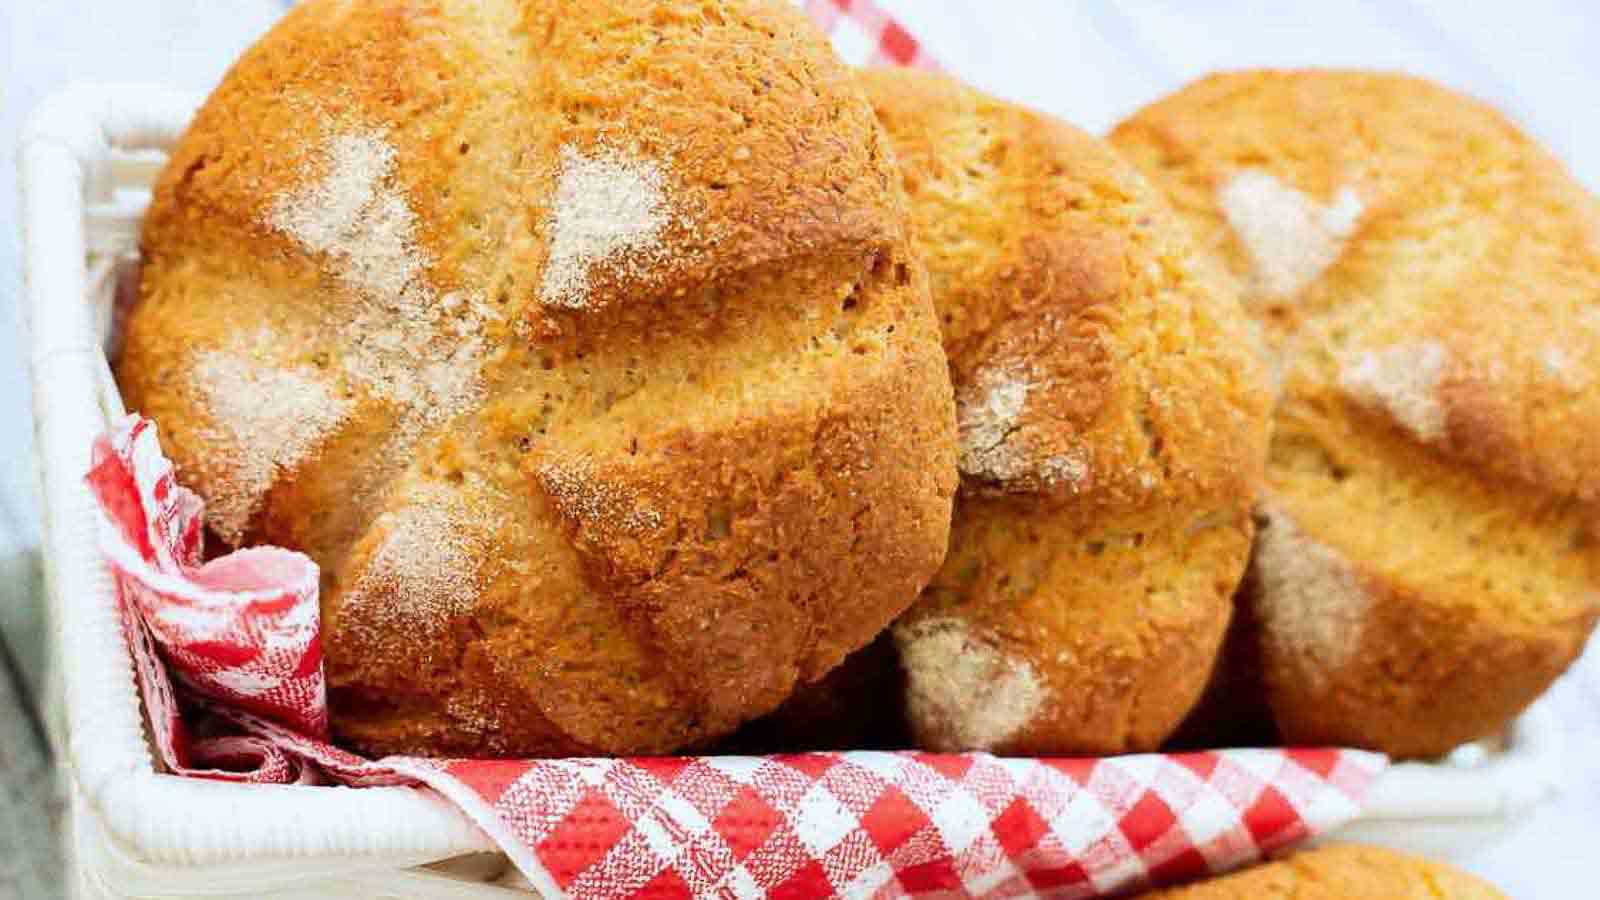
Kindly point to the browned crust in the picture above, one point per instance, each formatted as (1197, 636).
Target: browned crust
(789, 335)
(1119, 618)
(1051, 257)
(1410, 693)
(1475, 250)
(1341, 872)
(1428, 669)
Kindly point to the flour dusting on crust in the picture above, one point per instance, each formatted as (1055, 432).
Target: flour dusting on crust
(1402, 380)
(476, 713)
(962, 692)
(610, 210)
(987, 418)
(989, 415)
(1291, 238)
(268, 420)
(425, 571)
(408, 344)
(357, 216)
(1310, 600)
(1071, 468)
(606, 508)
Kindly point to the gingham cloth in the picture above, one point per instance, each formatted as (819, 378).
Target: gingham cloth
(239, 635)
(865, 35)
(228, 662)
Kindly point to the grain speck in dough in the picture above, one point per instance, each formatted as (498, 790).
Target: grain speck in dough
(1310, 601)
(964, 693)
(1404, 381)
(609, 210)
(1291, 239)
(270, 417)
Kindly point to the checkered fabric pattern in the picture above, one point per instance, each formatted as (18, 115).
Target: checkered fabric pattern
(864, 35)
(242, 628)
(908, 824)
(240, 633)
(807, 825)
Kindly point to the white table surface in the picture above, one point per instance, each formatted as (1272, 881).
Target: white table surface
(1089, 62)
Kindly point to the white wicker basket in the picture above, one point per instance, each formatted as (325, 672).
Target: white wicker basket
(85, 161)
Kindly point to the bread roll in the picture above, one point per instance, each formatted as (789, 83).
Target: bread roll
(580, 345)
(1340, 872)
(1427, 277)
(1113, 432)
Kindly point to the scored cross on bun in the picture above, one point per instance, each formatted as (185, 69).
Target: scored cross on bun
(580, 345)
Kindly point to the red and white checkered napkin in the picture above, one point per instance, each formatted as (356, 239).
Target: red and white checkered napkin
(239, 635)
(865, 35)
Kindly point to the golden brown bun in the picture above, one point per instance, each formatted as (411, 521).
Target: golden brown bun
(1113, 432)
(1340, 872)
(1427, 277)
(581, 346)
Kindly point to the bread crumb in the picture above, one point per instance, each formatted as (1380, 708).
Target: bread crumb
(269, 420)
(1291, 239)
(609, 210)
(1309, 599)
(964, 693)
(1404, 381)
(423, 574)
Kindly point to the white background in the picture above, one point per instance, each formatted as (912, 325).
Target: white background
(1089, 62)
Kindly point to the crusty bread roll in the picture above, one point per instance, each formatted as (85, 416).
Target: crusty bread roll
(1427, 277)
(578, 342)
(1340, 872)
(1113, 433)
